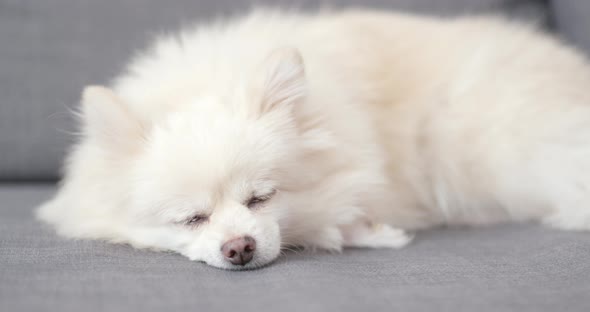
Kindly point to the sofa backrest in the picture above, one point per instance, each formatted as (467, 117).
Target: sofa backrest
(50, 49)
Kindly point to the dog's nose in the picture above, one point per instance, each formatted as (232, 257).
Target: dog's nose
(239, 251)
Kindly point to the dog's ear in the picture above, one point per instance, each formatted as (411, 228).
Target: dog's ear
(284, 79)
(107, 120)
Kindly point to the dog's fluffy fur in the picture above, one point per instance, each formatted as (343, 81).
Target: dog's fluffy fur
(360, 125)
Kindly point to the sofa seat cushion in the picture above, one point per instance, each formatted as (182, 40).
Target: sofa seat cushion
(500, 268)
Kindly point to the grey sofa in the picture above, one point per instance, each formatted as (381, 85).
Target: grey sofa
(49, 49)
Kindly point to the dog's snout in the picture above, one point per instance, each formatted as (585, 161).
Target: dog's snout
(239, 251)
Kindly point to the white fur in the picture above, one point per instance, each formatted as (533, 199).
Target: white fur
(357, 119)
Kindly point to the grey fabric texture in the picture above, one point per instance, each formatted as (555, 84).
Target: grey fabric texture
(572, 20)
(52, 48)
(500, 268)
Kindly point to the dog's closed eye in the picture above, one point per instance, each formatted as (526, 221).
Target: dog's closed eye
(257, 200)
(196, 220)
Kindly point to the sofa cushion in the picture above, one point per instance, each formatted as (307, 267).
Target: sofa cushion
(52, 48)
(500, 268)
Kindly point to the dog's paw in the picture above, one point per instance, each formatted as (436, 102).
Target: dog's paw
(375, 236)
(569, 222)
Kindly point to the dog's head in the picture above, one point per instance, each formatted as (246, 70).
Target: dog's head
(205, 179)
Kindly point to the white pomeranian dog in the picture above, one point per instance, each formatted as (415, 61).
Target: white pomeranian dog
(229, 141)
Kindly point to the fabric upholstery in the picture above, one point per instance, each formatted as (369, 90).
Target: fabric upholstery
(52, 48)
(500, 268)
(572, 22)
